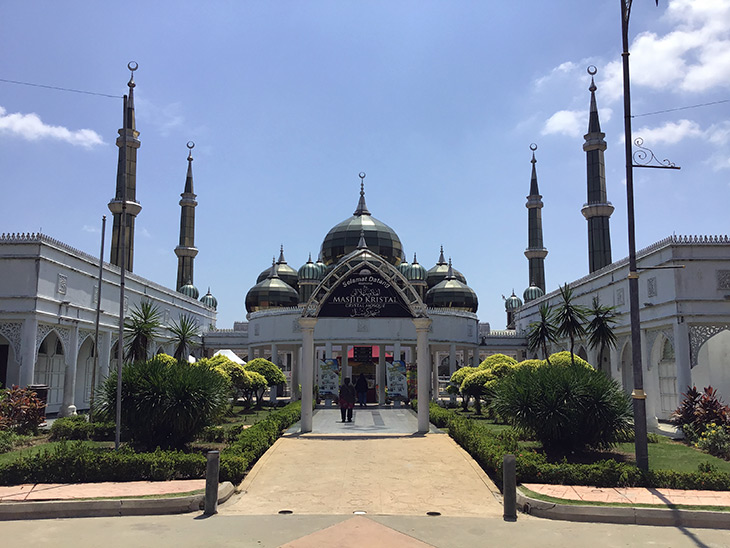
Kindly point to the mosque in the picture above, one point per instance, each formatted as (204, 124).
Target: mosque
(361, 307)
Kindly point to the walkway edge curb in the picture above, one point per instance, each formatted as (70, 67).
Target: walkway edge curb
(623, 514)
(54, 509)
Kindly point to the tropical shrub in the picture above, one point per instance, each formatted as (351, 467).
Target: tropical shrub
(698, 410)
(269, 370)
(9, 439)
(457, 378)
(715, 440)
(476, 385)
(164, 403)
(530, 363)
(565, 359)
(565, 408)
(78, 427)
(140, 329)
(20, 410)
(490, 362)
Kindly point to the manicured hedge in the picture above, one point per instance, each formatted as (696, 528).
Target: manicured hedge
(78, 462)
(78, 427)
(488, 449)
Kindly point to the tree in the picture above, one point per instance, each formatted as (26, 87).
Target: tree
(600, 328)
(570, 318)
(140, 330)
(542, 331)
(185, 335)
(458, 378)
(269, 371)
(476, 384)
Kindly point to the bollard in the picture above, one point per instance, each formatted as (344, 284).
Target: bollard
(212, 472)
(509, 487)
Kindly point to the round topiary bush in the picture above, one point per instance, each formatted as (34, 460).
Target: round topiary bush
(270, 371)
(495, 359)
(564, 359)
(565, 408)
(476, 385)
(165, 403)
(457, 378)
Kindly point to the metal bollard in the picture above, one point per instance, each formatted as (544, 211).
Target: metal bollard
(212, 472)
(509, 487)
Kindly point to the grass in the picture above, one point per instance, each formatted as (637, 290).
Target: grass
(674, 455)
(249, 416)
(44, 446)
(570, 502)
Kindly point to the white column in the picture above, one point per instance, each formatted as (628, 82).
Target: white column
(346, 369)
(105, 348)
(69, 377)
(27, 351)
(422, 360)
(681, 358)
(327, 350)
(307, 371)
(396, 350)
(650, 384)
(380, 374)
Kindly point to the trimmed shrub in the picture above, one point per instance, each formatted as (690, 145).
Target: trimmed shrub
(78, 427)
(165, 404)
(476, 385)
(457, 378)
(490, 362)
(564, 407)
(563, 359)
(715, 440)
(530, 363)
(269, 370)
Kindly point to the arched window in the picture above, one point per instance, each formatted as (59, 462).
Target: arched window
(667, 351)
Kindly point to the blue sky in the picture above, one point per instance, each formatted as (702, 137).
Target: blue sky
(288, 101)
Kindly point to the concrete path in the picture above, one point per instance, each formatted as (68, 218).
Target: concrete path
(375, 465)
(72, 491)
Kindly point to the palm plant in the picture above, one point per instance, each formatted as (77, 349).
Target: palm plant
(570, 318)
(542, 332)
(140, 330)
(185, 335)
(600, 328)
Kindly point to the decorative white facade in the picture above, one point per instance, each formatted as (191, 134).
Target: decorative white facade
(48, 300)
(684, 296)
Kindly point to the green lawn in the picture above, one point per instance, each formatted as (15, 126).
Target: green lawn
(243, 415)
(674, 455)
(44, 446)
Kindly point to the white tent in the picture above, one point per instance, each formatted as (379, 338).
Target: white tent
(231, 355)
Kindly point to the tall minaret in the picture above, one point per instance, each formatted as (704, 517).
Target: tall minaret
(535, 251)
(598, 209)
(128, 144)
(186, 250)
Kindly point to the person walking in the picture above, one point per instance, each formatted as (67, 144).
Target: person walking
(347, 399)
(361, 386)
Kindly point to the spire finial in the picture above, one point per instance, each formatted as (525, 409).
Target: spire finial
(273, 273)
(132, 66)
(442, 260)
(594, 124)
(533, 148)
(362, 209)
(281, 260)
(362, 244)
(191, 146)
(310, 258)
(450, 272)
(592, 70)
(414, 258)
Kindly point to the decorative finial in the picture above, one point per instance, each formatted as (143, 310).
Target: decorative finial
(132, 66)
(362, 244)
(442, 260)
(310, 258)
(190, 146)
(533, 148)
(450, 272)
(592, 70)
(414, 258)
(281, 260)
(273, 273)
(362, 209)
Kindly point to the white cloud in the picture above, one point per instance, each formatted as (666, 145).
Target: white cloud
(164, 118)
(670, 133)
(566, 122)
(561, 69)
(91, 229)
(31, 128)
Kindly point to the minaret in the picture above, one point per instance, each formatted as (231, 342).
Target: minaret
(535, 251)
(128, 144)
(598, 209)
(186, 250)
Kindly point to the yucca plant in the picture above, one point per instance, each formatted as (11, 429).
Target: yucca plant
(165, 403)
(542, 332)
(569, 318)
(140, 330)
(185, 335)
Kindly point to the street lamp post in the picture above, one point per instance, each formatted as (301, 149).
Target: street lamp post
(638, 395)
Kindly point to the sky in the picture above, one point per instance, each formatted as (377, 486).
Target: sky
(287, 101)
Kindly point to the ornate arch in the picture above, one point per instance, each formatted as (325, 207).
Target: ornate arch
(63, 334)
(354, 262)
(699, 335)
(13, 331)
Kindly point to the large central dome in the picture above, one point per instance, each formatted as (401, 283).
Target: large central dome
(344, 237)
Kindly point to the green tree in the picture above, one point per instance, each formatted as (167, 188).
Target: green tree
(269, 371)
(476, 384)
(140, 330)
(185, 334)
(542, 331)
(457, 379)
(569, 318)
(600, 328)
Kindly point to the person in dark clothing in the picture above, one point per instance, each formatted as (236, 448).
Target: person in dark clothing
(347, 399)
(361, 386)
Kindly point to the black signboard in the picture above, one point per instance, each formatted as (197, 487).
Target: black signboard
(362, 353)
(364, 294)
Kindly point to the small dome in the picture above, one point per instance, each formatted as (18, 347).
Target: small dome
(190, 290)
(322, 267)
(452, 293)
(416, 272)
(310, 272)
(283, 270)
(273, 292)
(209, 300)
(438, 273)
(531, 293)
(512, 302)
(344, 237)
(403, 267)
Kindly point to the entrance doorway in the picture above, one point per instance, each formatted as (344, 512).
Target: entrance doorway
(367, 369)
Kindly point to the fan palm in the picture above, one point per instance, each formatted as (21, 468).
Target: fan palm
(570, 318)
(542, 332)
(185, 335)
(600, 328)
(140, 330)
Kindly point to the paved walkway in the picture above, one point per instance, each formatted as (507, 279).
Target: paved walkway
(633, 495)
(374, 465)
(72, 491)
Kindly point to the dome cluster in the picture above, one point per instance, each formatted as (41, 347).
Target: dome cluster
(281, 286)
(189, 290)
